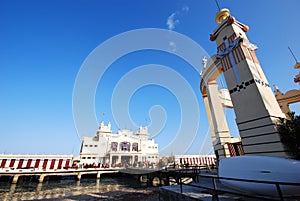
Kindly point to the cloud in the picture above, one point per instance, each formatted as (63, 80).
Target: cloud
(173, 20)
(185, 8)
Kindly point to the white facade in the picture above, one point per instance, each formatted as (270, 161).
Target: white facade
(123, 148)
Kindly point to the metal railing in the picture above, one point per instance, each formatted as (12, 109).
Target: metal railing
(217, 191)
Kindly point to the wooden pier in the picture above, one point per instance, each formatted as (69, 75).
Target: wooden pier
(159, 176)
(42, 174)
(162, 177)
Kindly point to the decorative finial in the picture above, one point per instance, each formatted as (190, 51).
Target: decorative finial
(276, 90)
(222, 15)
(204, 62)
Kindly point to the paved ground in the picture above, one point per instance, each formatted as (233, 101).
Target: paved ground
(148, 194)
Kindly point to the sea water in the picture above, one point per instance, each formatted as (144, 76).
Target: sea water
(61, 188)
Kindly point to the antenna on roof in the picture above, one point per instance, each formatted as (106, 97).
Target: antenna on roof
(293, 54)
(218, 4)
(297, 65)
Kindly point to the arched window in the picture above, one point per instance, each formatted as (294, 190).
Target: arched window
(135, 146)
(125, 146)
(114, 146)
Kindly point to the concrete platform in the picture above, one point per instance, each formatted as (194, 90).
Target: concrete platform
(169, 193)
(190, 193)
(193, 192)
(42, 173)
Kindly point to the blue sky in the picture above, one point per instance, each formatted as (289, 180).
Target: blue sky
(44, 44)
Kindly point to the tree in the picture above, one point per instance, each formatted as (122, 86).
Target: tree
(289, 131)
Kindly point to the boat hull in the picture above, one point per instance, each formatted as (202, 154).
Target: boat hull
(262, 168)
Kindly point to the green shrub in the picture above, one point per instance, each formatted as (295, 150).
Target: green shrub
(289, 130)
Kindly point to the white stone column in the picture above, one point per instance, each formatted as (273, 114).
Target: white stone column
(119, 159)
(110, 160)
(210, 121)
(218, 119)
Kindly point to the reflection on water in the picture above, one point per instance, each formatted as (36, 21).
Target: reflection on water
(30, 190)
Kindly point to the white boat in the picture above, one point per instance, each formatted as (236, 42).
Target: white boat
(262, 168)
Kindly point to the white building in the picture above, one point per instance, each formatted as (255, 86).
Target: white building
(123, 148)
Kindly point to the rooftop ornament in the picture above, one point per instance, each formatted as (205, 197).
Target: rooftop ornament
(222, 15)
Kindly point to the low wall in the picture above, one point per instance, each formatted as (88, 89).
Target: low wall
(170, 194)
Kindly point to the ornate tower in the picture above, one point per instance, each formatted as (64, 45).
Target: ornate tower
(254, 103)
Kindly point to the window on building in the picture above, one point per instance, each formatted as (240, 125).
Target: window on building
(86, 145)
(135, 146)
(94, 157)
(83, 158)
(95, 145)
(114, 146)
(125, 146)
(91, 145)
(88, 157)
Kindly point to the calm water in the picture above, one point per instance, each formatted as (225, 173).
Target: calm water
(30, 190)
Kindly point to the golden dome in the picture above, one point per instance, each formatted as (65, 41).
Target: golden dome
(222, 15)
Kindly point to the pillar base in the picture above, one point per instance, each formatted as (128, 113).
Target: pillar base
(79, 176)
(98, 175)
(41, 179)
(15, 179)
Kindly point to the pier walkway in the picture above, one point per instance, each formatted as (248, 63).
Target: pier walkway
(162, 177)
(140, 171)
(41, 174)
